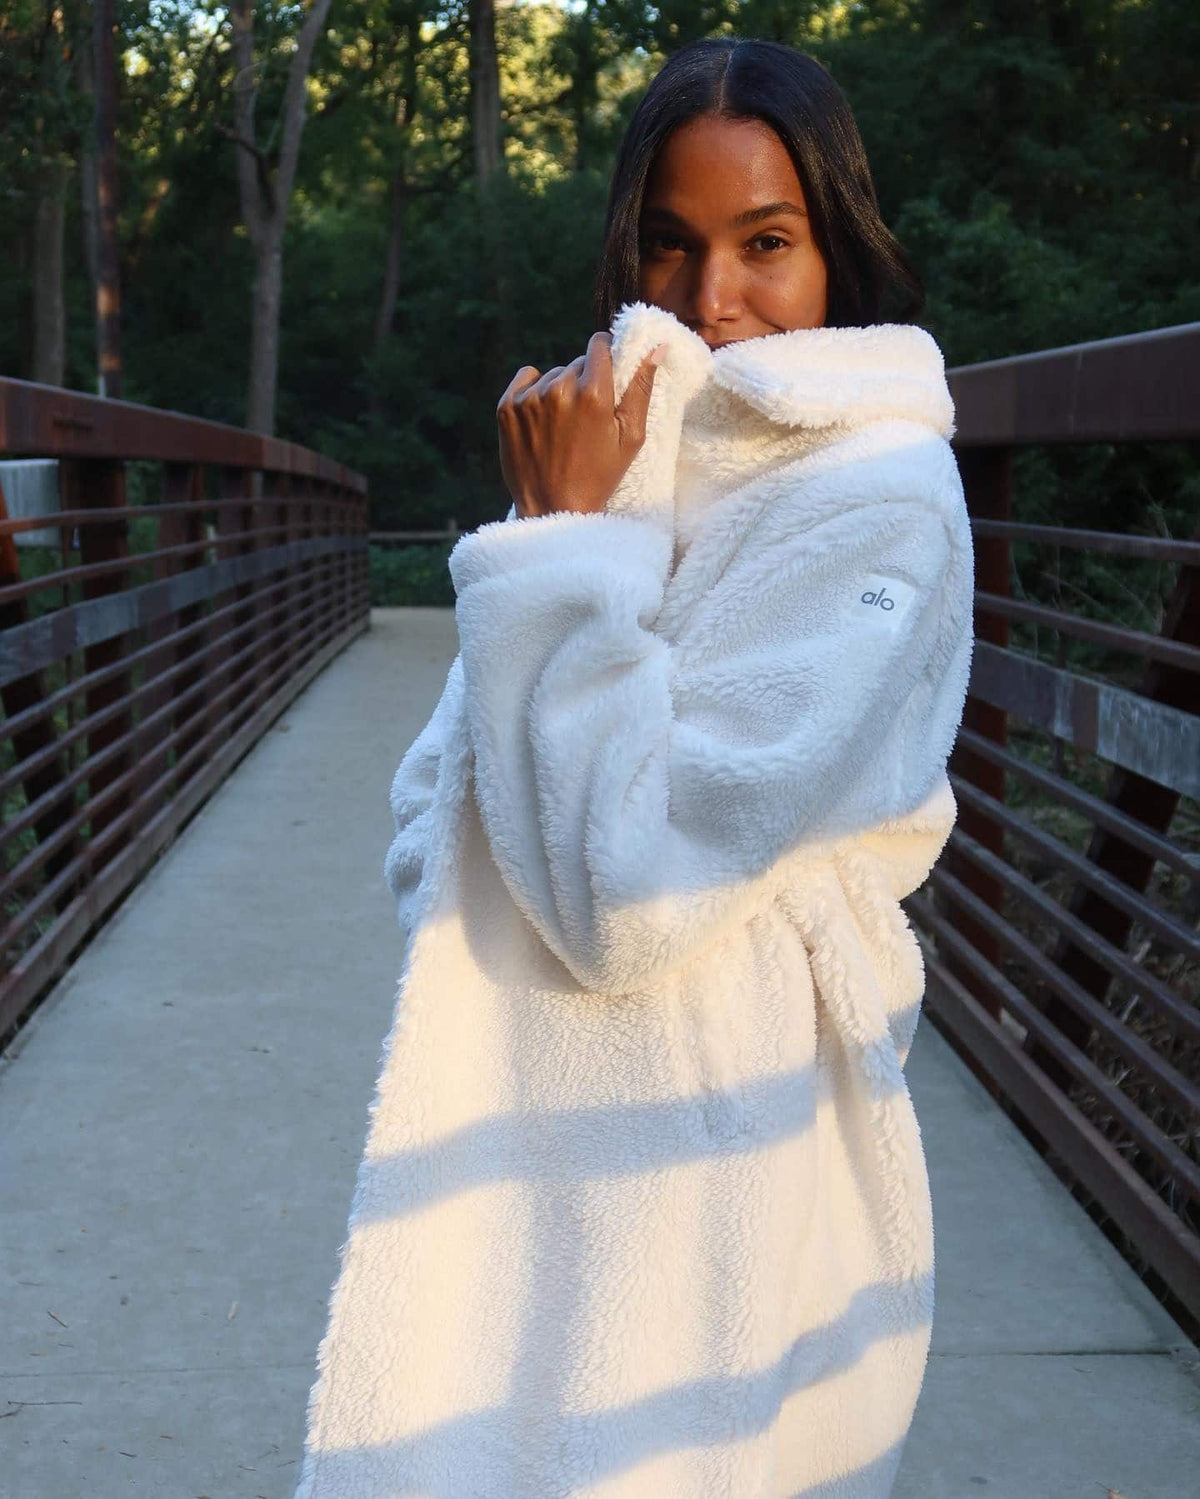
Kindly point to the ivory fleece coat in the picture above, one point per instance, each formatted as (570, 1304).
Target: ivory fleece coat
(643, 1211)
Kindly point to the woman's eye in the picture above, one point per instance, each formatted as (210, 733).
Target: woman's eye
(671, 244)
(662, 243)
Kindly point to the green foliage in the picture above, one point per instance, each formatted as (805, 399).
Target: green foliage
(1019, 155)
(411, 575)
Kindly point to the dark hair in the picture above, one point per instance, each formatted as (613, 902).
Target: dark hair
(750, 79)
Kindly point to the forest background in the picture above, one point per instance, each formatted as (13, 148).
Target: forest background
(421, 188)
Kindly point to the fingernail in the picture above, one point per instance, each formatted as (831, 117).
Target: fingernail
(659, 354)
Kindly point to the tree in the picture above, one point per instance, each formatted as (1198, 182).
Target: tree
(265, 190)
(108, 263)
(40, 126)
(403, 187)
(487, 146)
(486, 138)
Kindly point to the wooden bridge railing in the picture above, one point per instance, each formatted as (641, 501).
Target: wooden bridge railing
(145, 653)
(1060, 927)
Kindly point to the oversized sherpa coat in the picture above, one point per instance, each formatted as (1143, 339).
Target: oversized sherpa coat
(643, 1211)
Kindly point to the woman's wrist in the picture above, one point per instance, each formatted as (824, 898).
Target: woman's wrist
(526, 509)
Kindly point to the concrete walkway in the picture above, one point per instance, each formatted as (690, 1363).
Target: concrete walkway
(182, 1119)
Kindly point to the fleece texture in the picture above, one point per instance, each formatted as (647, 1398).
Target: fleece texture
(643, 1210)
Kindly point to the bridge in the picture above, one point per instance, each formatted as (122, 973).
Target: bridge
(200, 953)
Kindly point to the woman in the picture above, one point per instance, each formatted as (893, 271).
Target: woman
(643, 1209)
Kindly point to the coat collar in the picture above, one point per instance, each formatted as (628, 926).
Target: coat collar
(818, 377)
(831, 379)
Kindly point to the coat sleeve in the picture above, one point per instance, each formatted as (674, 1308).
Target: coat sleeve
(413, 792)
(633, 786)
(412, 797)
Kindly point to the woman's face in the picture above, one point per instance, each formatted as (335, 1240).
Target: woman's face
(726, 243)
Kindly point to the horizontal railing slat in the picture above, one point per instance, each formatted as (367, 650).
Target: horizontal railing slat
(1094, 808)
(42, 421)
(1166, 928)
(1117, 637)
(122, 566)
(1182, 1018)
(1152, 739)
(39, 642)
(1149, 548)
(1140, 387)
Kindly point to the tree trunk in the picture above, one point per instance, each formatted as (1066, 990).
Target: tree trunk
(108, 266)
(584, 73)
(386, 317)
(49, 313)
(407, 107)
(266, 300)
(500, 335)
(265, 190)
(88, 186)
(485, 93)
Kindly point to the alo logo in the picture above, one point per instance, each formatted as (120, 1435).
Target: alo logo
(888, 597)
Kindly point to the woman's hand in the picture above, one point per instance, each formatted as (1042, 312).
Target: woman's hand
(564, 443)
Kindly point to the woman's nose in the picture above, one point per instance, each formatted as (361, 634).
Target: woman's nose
(716, 297)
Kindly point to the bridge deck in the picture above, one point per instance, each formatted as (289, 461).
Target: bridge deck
(182, 1119)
